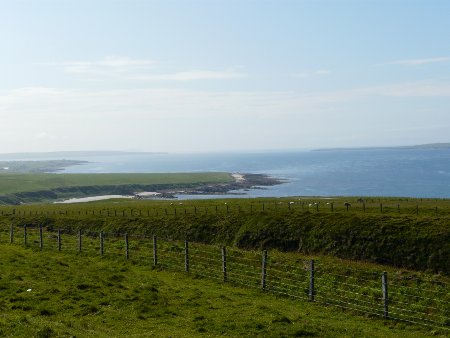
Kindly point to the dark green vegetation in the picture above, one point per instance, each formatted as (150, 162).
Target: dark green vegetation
(77, 295)
(18, 188)
(391, 234)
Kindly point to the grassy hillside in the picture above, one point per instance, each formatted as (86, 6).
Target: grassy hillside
(47, 294)
(397, 237)
(17, 188)
(13, 183)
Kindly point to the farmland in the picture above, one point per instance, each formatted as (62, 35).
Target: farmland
(406, 233)
(352, 239)
(52, 293)
(38, 187)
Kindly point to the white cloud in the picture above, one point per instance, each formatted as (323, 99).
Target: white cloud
(182, 119)
(418, 62)
(322, 72)
(304, 75)
(138, 70)
(108, 64)
(193, 75)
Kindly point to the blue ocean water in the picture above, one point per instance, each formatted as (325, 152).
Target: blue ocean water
(382, 172)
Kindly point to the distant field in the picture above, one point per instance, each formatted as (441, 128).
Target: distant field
(55, 294)
(11, 183)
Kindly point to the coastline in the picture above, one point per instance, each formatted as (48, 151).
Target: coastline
(242, 182)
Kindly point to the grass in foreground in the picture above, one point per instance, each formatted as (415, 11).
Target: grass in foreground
(74, 295)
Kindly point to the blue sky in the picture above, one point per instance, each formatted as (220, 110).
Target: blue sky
(184, 76)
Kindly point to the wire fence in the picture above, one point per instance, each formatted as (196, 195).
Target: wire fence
(402, 207)
(401, 297)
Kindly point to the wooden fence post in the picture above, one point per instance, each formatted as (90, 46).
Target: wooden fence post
(79, 240)
(126, 247)
(41, 239)
(224, 263)
(101, 243)
(264, 270)
(364, 207)
(436, 211)
(417, 210)
(59, 239)
(384, 286)
(25, 234)
(11, 234)
(155, 251)
(381, 207)
(332, 206)
(186, 256)
(311, 291)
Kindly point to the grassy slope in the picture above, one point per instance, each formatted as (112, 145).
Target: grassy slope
(81, 296)
(402, 239)
(14, 183)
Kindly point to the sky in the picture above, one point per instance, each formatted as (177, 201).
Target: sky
(231, 75)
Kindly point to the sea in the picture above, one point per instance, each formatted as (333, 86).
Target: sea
(364, 172)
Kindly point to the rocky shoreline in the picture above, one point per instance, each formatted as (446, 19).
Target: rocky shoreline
(241, 182)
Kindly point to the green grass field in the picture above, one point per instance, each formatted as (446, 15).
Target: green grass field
(402, 232)
(46, 294)
(14, 183)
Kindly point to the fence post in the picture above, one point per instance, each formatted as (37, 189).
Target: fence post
(332, 206)
(384, 284)
(224, 263)
(155, 251)
(264, 270)
(41, 240)
(381, 207)
(79, 240)
(417, 210)
(186, 256)
(126, 246)
(59, 239)
(101, 243)
(364, 207)
(311, 280)
(436, 211)
(11, 234)
(25, 234)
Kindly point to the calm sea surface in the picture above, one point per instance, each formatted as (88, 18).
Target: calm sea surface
(413, 173)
